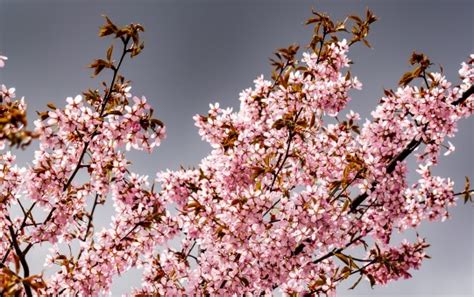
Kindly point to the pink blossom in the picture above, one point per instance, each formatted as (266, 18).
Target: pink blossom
(2, 61)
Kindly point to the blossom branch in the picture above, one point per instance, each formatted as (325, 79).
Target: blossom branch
(414, 143)
(87, 143)
(291, 134)
(79, 165)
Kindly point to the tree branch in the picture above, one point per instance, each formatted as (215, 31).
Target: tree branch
(91, 216)
(464, 96)
(24, 264)
(86, 145)
(291, 134)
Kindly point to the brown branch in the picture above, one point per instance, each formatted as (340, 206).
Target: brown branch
(21, 255)
(291, 134)
(464, 96)
(321, 46)
(359, 270)
(463, 193)
(23, 224)
(188, 254)
(335, 251)
(91, 216)
(343, 190)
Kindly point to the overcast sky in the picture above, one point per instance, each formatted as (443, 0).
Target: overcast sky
(199, 52)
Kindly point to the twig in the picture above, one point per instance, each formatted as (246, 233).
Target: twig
(86, 145)
(89, 223)
(24, 263)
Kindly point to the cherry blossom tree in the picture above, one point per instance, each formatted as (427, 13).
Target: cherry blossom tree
(297, 193)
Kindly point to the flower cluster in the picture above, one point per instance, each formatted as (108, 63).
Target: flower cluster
(394, 263)
(13, 119)
(292, 183)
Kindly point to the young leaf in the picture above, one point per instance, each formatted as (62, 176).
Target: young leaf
(371, 280)
(467, 194)
(343, 258)
(109, 52)
(108, 28)
(52, 106)
(356, 283)
(406, 79)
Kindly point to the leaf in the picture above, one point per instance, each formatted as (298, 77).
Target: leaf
(316, 284)
(431, 76)
(355, 18)
(356, 129)
(244, 281)
(313, 120)
(417, 71)
(256, 172)
(108, 28)
(311, 21)
(388, 92)
(346, 272)
(258, 185)
(371, 17)
(366, 43)
(267, 159)
(467, 194)
(43, 115)
(348, 75)
(17, 263)
(333, 137)
(371, 280)
(137, 49)
(98, 65)
(52, 106)
(334, 185)
(346, 205)
(416, 58)
(343, 258)
(379, 252)
(279, 124)
(157, 122)
(299, 249)
(113, 112)
(220, 231)
(35, 281)
(406, 78)
(229, 141)
(110, 50)
(356, 283)
(340, 26)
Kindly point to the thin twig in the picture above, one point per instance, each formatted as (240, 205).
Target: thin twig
(91, 216)
(21, 255)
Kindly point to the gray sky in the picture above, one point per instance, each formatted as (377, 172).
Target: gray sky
(197, 52)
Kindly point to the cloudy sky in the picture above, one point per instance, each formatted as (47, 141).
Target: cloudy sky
(198, 52)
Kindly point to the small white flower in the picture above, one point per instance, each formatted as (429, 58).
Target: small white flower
(451, 148)
(2, 61)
